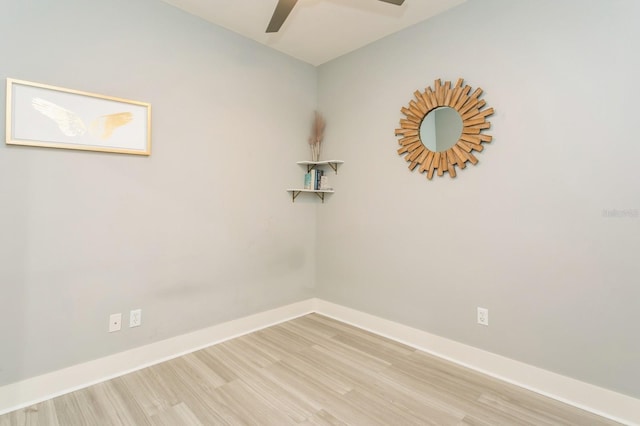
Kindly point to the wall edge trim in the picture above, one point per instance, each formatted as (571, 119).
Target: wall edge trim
(603, 402)
(597, 400)
(15, 396)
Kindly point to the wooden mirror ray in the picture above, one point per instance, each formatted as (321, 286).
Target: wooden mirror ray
(474, 121)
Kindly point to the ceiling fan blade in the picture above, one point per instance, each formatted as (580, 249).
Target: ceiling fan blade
(396, 2)
(283, 9)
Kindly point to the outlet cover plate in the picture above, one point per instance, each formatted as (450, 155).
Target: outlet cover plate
(115, 322)
(135, 318)
(483, 316)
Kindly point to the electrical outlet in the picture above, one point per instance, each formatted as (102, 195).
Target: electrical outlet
(135, 318)
(483, 316)
(115, 322)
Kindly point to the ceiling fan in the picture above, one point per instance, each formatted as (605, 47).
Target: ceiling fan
(284, 7)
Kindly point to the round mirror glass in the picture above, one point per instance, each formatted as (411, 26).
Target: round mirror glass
(441, 129)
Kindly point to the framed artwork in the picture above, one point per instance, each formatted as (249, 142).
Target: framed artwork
(54, 117)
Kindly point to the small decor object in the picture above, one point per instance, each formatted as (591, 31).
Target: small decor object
(54, 117)
(468, 137)
(324, 182)
(319, 174)
(317, 135)
(314, 178)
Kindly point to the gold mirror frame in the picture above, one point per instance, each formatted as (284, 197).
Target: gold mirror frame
(474, 121)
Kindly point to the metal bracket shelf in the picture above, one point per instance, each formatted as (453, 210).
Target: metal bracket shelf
(312, 164)
(319, 192)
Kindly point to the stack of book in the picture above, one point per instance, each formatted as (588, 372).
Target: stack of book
(314, 179)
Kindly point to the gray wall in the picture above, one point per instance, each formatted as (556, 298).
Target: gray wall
(523, 232)
(200, 232)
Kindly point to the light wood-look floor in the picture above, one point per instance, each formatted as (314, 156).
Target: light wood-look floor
(309, 371)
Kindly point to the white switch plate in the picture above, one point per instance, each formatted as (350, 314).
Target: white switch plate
(115, 322)
(483, 316)
(135, 318)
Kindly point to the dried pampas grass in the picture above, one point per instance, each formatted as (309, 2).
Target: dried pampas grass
(317, 134)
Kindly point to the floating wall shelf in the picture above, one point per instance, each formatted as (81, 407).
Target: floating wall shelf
(310, 165)
(319, 192)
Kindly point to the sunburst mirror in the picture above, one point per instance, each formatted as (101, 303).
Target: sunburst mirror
(442, 128)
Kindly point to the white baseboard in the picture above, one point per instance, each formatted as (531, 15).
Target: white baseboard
(41, 388)
(600, 401)
(606, 403)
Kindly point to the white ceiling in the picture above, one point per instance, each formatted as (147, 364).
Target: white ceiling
(316, 31)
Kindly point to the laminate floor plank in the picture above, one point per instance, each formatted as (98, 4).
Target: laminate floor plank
(350, 354)
(249, 406)
(384, 412)
(116, 407)
(348, 371)
(304, 326)
(196, 397)
(325, 399)
(179, 414)
(381, 348)
(438, 393)
(76, 409)
(539, 409)
(427, 394)
(282, 399)
(223, 370)
(499, 395)
(404, 398)
(306, 365)
(277, 353)
(311, 370)
(43, 413)
(242, 368)
(147, 389)
(322, 418)
(329, 324)
(315, 394)
(253, 353)
(285, 340)
(190, 371)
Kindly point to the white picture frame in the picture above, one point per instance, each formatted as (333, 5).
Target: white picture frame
(54, 117)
